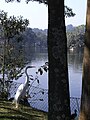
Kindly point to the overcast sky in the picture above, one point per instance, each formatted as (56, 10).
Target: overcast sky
(79, 8)
(35, 12)
(38, 13)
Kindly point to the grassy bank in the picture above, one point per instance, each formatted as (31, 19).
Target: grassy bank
(9, 112)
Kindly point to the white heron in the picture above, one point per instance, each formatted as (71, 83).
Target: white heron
(22, 89)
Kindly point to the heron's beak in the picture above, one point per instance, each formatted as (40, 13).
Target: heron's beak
(31, 66)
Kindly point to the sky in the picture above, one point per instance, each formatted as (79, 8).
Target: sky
(38, 13)
(35, 12)
(79, 7)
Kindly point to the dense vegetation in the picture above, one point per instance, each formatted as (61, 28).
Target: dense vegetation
(36, 39)
(75, 37)
(11, 54)
(30, 41)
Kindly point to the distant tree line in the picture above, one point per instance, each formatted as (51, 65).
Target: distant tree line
(35, 40)
(75, 37)
(31, 40)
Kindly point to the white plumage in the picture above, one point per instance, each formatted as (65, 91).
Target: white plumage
(19, 91)
(22, 89)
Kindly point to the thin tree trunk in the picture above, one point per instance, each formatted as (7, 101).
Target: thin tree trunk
(3, 64)
(59, 102)
(85, 98)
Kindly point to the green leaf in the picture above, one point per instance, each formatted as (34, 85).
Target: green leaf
(37, 81)
(40, 70)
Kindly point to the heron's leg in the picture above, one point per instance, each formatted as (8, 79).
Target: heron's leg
(17, 105)
(13, 102)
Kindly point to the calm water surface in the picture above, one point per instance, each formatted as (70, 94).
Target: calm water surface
(74, 69)
(38, 60)
(75, 73)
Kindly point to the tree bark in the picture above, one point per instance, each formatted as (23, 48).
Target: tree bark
(85, 98)
(59, 102)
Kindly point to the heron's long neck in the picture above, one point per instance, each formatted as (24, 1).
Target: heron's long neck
(27, 77)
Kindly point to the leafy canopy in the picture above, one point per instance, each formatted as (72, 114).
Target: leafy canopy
(11, 52)
(12, 26)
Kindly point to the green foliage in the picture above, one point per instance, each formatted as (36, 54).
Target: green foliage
(12, 26)
(41, 38)
(34, 40)
(12, 0)
(69, 12)
(40, 71)
(40, 1)
(75, 37)
(4, 95)
(43, 68)
(11, 50)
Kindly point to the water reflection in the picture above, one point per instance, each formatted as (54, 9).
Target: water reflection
(75, 60)
(38, 59)
(74, 68)
(75, 77)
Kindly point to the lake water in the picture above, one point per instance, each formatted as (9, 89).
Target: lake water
(74, 70)
(38, 60)
(37, 100)
(75, 60)
(75, 78)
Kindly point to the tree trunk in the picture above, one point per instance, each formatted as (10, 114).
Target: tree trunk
(3, 64)
(85, 98)
(59, 102)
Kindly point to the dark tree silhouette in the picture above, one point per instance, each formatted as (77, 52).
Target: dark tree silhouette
(59, 104)
(85, 98)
